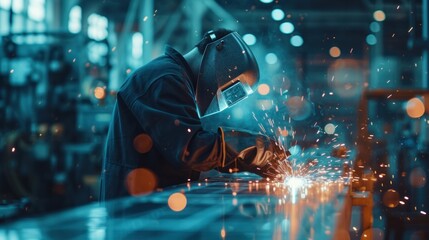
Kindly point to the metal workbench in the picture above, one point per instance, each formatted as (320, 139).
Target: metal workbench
(219, 206)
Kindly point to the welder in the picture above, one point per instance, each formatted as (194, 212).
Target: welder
(156, 138)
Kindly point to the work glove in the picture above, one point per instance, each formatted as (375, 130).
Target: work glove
(266, 158)
(258, 154)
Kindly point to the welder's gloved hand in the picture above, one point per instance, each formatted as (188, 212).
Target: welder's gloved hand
(256, 153)
(265, 157)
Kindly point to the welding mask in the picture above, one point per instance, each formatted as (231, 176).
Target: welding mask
(228, 74)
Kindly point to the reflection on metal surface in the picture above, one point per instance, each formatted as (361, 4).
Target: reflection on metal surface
(96, 224)
(307, 202)
(227, 206)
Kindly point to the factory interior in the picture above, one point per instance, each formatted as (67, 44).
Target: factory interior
(343, 86)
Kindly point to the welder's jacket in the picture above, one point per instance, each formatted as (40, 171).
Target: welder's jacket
(158, 100)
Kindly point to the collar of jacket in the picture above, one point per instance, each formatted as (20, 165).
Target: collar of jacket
(181, 60)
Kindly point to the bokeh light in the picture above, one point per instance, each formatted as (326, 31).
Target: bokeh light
(265, 104)
(99, 92)
(277, 14)
(266, 1)
(177, 202)
(334, 52)
(250, 39)
(415, 108)
(374, 27)
(223, 233)
(287, 27)
(57, 129)
(379, 15)
(263, 89)
(371, 39)
(373, 234)
(329, 128)
(296, 41)
(271, 58)
(143, 143)
(346, 77)
(391, 198)
(298, 107)
(43, 128)
(137, 45)
(141, 181)
(418, 177)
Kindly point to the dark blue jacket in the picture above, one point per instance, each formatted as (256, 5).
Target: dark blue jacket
(157, 102)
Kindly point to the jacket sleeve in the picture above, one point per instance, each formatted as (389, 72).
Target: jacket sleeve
(167, 112)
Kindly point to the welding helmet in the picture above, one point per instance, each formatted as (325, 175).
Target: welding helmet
(228, 74)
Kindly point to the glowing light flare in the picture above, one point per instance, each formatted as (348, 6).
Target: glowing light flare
(330, 128)
(137, 45)
(141, 181)
(287, 27)
(374, 27)
(296, 41)
(177, 201)
(295, 182)
(277, 14)
(271, 58)
(379, 15)
(75, 16)
(223, 233)
(334, 52)
(57, 129)
(250, 39)
(373, 234)
(99, 93)
(143, 143)
(97, 27)
(415, 108)
(371, 39)
(263, 89)
(36, 10)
